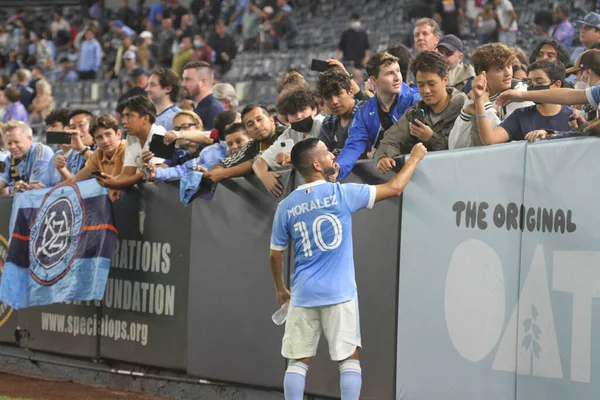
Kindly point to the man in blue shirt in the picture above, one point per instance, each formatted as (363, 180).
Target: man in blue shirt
(66, 73)
(163, 89)
(392, 99)
(231, 142)
(525, 121)
(25, 167)
(197, 86)
(156, 12)
(90, 57)
(317, 217)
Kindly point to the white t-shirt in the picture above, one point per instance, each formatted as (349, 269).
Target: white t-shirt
(504, 14)
(134, 150)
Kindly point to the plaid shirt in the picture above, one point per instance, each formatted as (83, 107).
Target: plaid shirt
(332, 132)
(564, 33)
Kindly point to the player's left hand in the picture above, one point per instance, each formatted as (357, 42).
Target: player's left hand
(283, 296)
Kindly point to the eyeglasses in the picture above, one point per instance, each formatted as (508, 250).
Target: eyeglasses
(185, 126)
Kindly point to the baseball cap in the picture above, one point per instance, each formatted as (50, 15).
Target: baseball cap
(146, 35)
(129, 55)
(137, 72)
(118, 23)
(591, 19)
(452, 43)
(589, 59)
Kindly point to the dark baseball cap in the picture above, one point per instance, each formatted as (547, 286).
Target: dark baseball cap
(137, 72)
(452, 43)
(591, 19)
(589, 59)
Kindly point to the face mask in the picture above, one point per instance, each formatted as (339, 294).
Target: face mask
(198, 44)
(355, 25)
(535, 88)
(304, 125)
(181, 47)
(581, 85)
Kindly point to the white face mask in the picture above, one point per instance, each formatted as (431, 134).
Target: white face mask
(355, 25)
(582, 85)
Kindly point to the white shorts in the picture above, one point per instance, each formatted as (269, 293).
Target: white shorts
(340, 323)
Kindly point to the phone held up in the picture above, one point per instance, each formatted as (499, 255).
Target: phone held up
(319, 65)
(416, 114)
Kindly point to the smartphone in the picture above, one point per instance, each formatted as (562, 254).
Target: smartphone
(319, 65)
(284, 146)
(416, 114)
(160, 148)
(58, 138)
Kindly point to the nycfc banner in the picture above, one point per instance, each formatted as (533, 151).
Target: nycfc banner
(500, 269)
(61, 244)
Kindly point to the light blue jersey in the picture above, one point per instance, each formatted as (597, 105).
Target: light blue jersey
(318, 218)
(165, 118)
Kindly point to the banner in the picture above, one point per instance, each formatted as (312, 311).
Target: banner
(500, 266)
(61, 245)
(144, 310)
(459, 273)
(557, 321)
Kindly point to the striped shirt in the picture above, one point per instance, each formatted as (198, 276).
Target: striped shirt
(249, 151)
(333, 134)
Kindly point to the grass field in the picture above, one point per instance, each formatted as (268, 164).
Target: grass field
(11, 398)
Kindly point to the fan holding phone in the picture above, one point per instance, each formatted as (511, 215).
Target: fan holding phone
(71, 131)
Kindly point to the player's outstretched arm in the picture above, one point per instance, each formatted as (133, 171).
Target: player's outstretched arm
(276, 260)
(396, 185)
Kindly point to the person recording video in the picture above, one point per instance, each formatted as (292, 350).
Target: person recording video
(431, 120)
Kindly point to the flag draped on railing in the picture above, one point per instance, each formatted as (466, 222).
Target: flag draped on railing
(62, 241)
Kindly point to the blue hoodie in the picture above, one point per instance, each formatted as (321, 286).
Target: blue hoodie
(365, 128)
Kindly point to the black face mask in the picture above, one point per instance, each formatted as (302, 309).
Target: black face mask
(535, 88)
(304, 125)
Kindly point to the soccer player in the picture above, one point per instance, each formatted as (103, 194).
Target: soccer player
(317, 216)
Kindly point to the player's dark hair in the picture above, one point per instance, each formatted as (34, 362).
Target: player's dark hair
(302, 155)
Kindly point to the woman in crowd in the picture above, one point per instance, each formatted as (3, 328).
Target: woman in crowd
(486, 24)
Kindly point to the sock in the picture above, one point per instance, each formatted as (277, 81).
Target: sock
(350, 379)
(293, 383)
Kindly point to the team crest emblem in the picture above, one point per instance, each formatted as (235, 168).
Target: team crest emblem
(5, 311)
(54, 235)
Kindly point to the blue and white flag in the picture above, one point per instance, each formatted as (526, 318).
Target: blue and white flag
(61, 245)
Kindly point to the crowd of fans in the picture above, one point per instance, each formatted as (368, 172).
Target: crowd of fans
(168, 71)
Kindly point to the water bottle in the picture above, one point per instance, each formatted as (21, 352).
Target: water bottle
(281, 315)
